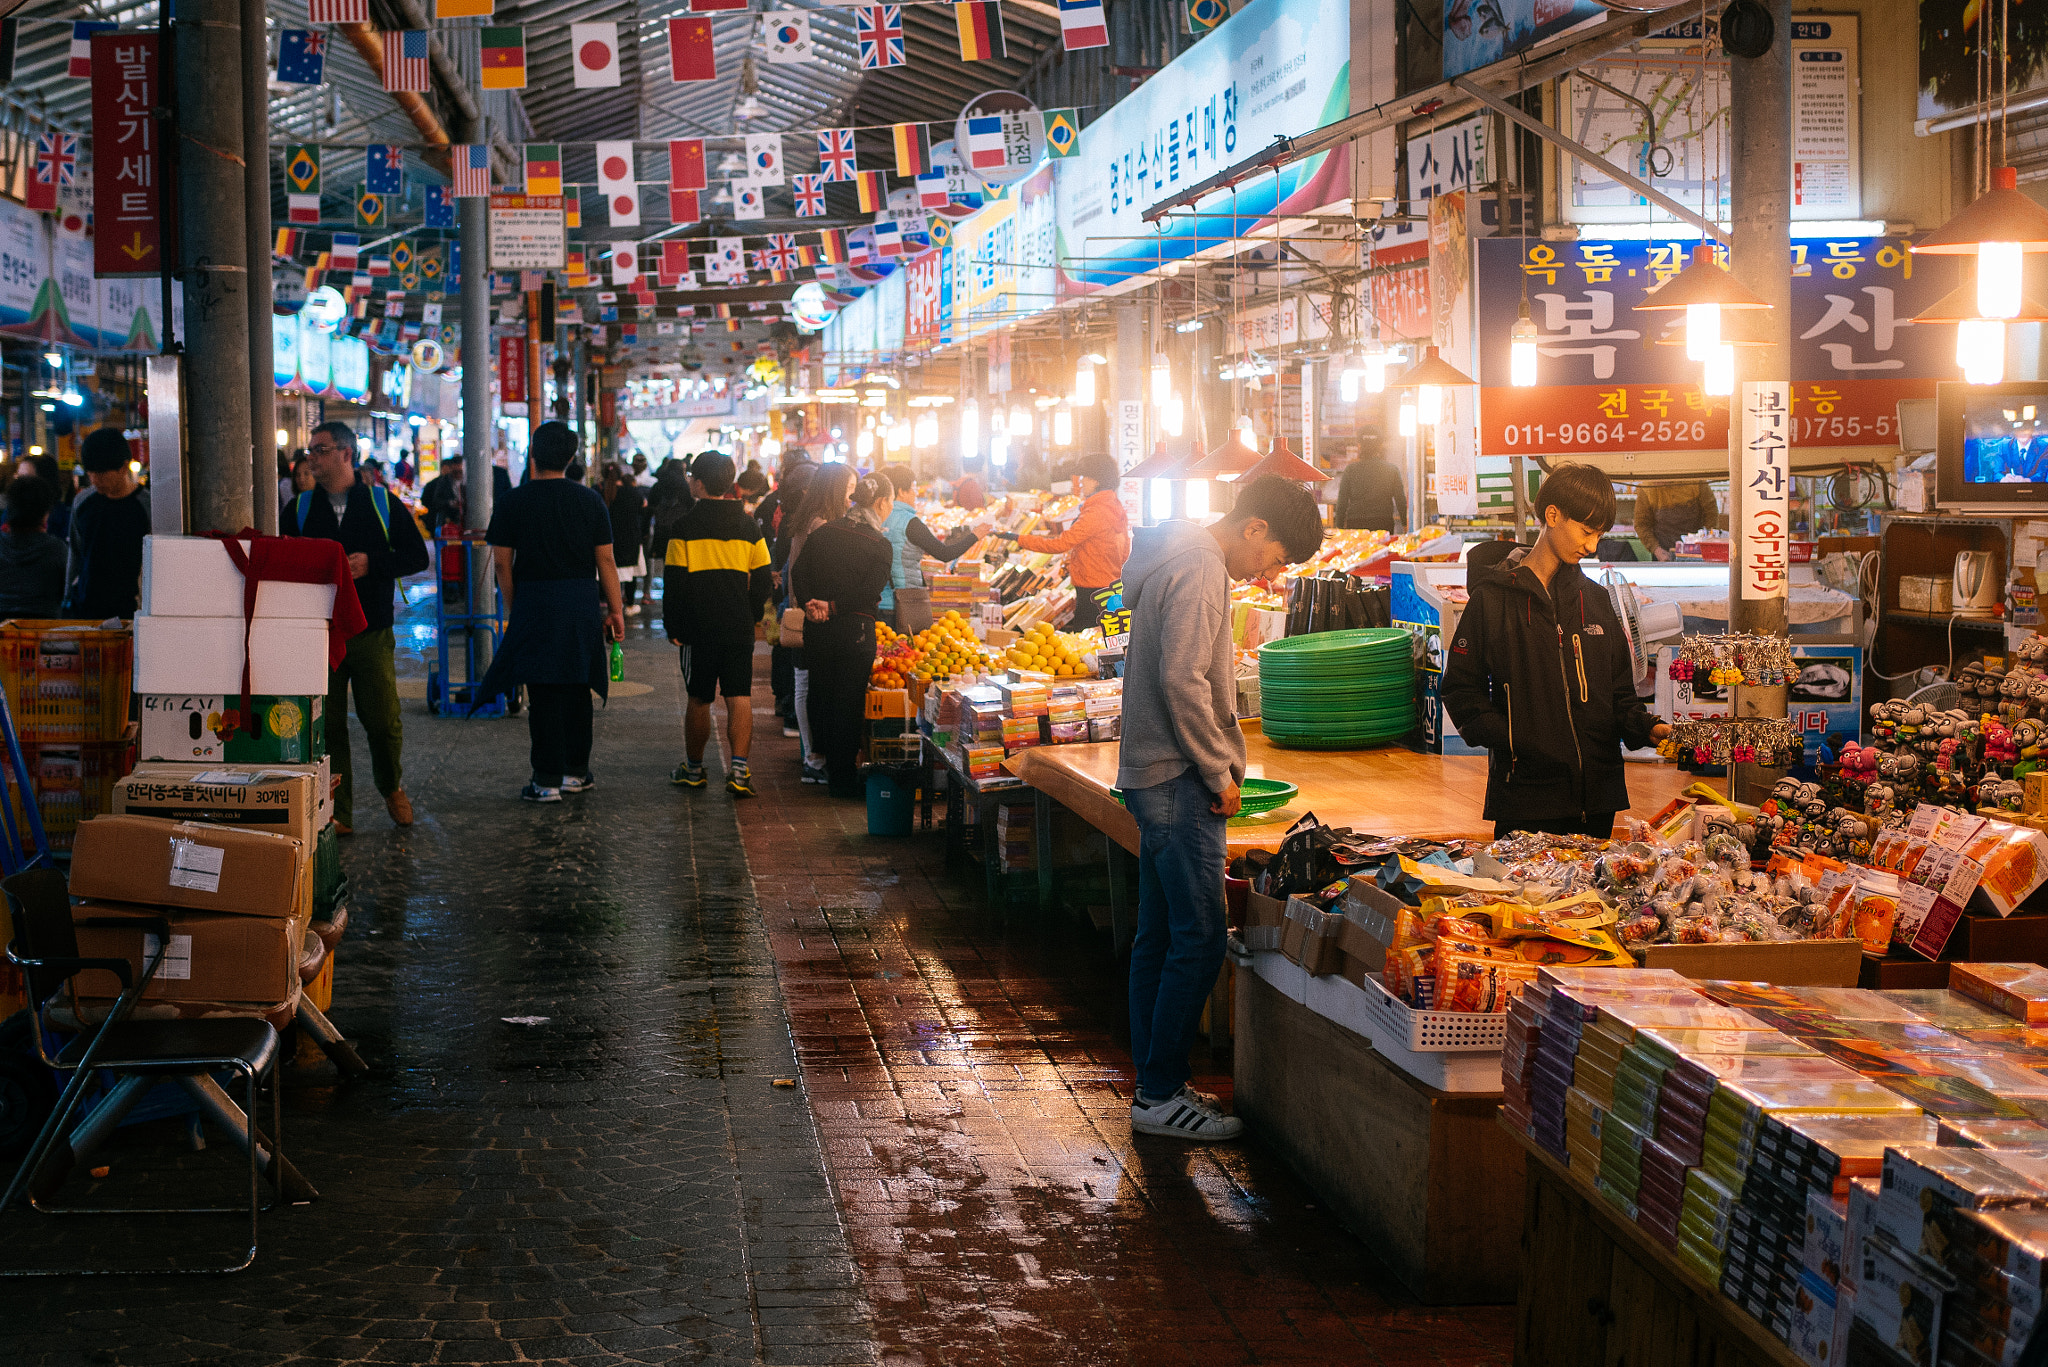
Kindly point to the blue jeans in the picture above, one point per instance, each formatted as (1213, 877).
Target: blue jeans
(1179, 946)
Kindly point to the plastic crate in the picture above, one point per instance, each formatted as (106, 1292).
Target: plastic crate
(71, 782)
(67, 681)
(1432, 1032)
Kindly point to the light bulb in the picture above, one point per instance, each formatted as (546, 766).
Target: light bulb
(1062, 427)
(283, 437)
(1172, 414)
(1247, 435)
(1162, 500)
(1162, 380)
(54, 358)
(1522, 353)
(1376, 374)
(1702, 331)
(1407, 417)
(1719, 378)
(1998, 280)
(1429, 404)
(1980, 350)
(1084, 385)
(1347, 385)
(1198, 498)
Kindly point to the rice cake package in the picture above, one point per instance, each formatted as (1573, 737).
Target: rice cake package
(1926, 1186)
(1564, 975)
(1813, 1320)
(1948, 1009)
(2018, 990)
(1994, 1134)
(1827, 1234)
(1956, 1097)
(1900, 1301)
(2013, 1242)
(1855, 1003)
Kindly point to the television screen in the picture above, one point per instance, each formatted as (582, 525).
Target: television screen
(2005, 439)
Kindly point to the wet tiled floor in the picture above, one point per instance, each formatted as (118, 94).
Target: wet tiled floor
(953, 1181)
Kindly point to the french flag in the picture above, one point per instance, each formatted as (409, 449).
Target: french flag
(1082, 24)
(80, 67)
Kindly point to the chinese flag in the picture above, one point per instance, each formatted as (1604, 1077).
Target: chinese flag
(682, 206)
(690, 55)
(675, 259)
(686, 165)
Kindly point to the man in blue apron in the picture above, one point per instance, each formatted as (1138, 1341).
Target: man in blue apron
(551, 539)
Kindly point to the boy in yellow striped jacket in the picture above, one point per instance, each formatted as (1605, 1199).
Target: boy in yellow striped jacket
(715, 583)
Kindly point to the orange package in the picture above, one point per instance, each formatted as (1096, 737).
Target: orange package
(1485, 986)
(2015, 860)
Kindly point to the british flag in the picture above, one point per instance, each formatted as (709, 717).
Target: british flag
(835, 153)
(880, 30)
(810, 196)
(57, 159)
(781, 253)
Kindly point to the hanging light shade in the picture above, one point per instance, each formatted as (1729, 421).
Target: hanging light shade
(1980, 340)
(1158, 465)
(1432, 369)
(1960, 305)
(1283, 462)
(1702, 282)
(1227, 461)
(2000, 214)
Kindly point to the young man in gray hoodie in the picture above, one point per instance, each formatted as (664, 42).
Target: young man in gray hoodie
(1180, 766)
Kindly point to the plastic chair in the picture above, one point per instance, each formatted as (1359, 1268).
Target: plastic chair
(138, 1054)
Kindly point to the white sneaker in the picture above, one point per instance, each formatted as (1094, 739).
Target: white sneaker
(1185, 1115)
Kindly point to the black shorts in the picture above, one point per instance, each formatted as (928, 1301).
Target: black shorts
(719, 667)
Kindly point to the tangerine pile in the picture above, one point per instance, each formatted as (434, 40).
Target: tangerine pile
(945, 648)
(1041, 649)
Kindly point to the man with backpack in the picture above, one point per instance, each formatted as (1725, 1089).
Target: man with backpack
(383, 545)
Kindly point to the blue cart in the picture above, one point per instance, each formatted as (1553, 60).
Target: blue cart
(477, 612)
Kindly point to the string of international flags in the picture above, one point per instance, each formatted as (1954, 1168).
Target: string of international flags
(936, 180)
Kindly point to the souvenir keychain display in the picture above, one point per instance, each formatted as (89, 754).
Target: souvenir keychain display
(1739, 661)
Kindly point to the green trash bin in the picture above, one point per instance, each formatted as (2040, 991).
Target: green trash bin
(892, 800)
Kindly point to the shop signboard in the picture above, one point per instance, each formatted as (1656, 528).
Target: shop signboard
(316, 361)
(511, 370)
(128, 192)
(284, 349)
(1764, 549)
(1604, 386)
(1003, 263)
(1479, 32)
(1455, 157)
(1276, 68)
(892, 307)
(528, 233)
(1399, 262)
(1130, 450)
(350, 369)
(921, 331)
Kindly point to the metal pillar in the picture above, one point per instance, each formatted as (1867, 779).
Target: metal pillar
(214, 254)
(256, 208)
(1760, 147)
(582, 384)
(477, 428)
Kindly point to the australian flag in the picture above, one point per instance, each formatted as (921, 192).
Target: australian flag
(384, 170)
(440, 207)
(302, 56)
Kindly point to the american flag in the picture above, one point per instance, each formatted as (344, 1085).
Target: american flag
(57, 159)
(405, 60)
(472, 170)
(781, 253)
(880, 29)
(835, 153)
(810, 196)
(338, 11)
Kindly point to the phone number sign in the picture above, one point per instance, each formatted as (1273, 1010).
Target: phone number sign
(1574, 420)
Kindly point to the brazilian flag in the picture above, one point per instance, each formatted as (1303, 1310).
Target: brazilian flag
(371, 210)
(1204, 15)
(1062, 132)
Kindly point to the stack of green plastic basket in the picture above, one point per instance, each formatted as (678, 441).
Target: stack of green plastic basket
(1337, 690)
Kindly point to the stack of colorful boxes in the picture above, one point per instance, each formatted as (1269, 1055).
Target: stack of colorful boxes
(1524, 1028)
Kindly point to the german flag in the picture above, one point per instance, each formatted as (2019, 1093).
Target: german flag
(981, 30)
(913, 149)
(874, 190)
(807, 256)
(832, 245)
(287, 243)
(504, 59)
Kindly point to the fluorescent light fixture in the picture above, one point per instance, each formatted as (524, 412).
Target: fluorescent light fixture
(1062, 427)
(1407, 417)
(1084, 384)
(1172, 415)
(1162, 380)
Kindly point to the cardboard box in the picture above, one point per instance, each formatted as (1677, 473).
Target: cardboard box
(186, 728)
(296, 801)
(204, 655)
(212, 957)
(198, 867)
(1309, 937)
(1264, 919)
(1797, 963)
(1930, 593)
(193, 576)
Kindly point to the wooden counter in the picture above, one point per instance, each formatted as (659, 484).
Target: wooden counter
(1596, 1288)
(1388, 790)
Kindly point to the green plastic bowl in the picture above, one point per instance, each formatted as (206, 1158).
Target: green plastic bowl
(1256, 796)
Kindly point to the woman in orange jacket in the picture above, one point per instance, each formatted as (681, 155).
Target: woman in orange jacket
(1097, 542)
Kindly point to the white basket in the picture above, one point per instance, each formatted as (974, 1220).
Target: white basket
(1433, 1032)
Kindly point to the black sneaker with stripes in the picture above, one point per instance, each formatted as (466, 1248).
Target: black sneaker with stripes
(1187, 1114)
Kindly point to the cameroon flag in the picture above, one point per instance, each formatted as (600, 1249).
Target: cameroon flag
(504, 59)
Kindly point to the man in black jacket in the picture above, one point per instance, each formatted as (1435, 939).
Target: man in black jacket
(1371, 493)
(1539, 673)
(383, 545)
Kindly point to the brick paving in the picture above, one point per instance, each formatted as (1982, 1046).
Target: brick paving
(953, 1182)
(970, 1078)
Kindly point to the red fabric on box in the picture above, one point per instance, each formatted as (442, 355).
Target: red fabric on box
(295, 560)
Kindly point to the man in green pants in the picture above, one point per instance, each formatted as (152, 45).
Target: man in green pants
(383, 545)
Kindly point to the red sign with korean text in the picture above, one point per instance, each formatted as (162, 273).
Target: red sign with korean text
(1579, 420)
(1400, 295)
(512, 370)
(127, 192)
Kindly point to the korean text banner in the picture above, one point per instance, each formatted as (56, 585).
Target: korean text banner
(1276, 68)
(1604, 383)
(1002, 259)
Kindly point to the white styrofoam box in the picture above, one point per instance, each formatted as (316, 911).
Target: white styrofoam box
(193, 576)
(204, 654)
(1287, 977)
(1341, 1002)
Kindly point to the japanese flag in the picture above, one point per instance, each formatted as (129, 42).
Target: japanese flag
(617, 183)
(595, 48)
(625, 263)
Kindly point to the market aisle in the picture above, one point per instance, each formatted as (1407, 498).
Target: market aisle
(621, 1183)
(973, 1097)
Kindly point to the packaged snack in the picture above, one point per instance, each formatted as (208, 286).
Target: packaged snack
(1473, 982)
(1900, 1303)
(984, 761)
(1873, 913)
(2015, 860)
(1106, 729)
(2018, 990)
(1069, 732)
